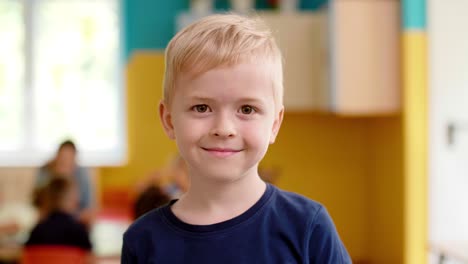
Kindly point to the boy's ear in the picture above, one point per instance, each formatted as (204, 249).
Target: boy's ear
(166, 119)
(276, 125)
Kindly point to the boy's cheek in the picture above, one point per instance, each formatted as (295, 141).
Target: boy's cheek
(259, 136)
(186, 131)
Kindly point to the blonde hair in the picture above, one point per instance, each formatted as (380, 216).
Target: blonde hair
(222, 40)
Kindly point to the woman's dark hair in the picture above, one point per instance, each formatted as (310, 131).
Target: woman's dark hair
(67, 143)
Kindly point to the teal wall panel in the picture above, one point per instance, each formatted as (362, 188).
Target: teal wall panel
(414, 14)
(150, 24)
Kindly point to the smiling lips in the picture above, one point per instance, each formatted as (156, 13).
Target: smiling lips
(221, 152)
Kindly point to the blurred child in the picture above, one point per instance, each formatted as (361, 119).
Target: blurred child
(59, 226)
(172, 180)
(160, 186)
(39, 200)
(175, 180)
(151, 198)
(223, 107)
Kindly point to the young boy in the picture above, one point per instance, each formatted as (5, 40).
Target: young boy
(223, 106)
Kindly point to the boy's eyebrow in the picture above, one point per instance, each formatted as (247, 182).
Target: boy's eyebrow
(201, 98)
(251, 100)
(242, 99)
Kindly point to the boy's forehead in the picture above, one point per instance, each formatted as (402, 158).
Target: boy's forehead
(246, 78)
(243, 81)
(249, 72)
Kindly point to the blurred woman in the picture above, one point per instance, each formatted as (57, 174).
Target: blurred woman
(64, 163)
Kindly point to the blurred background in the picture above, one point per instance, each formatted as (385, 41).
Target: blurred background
(375, 125)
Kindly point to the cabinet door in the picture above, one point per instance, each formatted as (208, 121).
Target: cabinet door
(302, 38)
(365, 56)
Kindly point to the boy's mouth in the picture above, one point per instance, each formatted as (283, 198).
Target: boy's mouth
(221, 152)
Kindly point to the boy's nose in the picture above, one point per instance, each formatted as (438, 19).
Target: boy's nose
(223, 127)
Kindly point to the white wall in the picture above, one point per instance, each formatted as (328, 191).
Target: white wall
(448, 87)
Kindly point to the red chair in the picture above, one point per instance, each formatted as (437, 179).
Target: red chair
(53, 255)
(116, 203)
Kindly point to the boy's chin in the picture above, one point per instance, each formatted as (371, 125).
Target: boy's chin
(223, 176)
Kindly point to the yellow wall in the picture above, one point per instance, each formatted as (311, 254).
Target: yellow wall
(415, 132)
(148, 146)
(385, 190)
(351, 165)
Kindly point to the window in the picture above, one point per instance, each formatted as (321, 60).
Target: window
(60, 78)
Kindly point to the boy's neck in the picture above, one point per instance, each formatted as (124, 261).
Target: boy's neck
(209, 203)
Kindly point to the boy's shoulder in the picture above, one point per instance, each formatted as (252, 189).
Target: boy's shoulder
(296, 201)
(296, 206)
(149, 222)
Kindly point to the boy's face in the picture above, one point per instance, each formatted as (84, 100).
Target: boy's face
(223, 121)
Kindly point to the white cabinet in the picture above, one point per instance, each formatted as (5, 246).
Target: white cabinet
(365, 57)
(302, 38)
(344, 59)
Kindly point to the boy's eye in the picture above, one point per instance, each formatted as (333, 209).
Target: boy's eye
(202, 108)
(247, 109)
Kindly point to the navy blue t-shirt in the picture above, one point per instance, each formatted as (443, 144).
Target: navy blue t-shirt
(282, 227)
